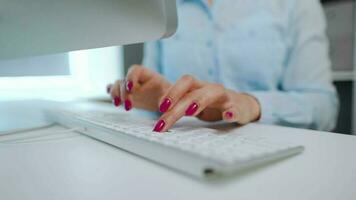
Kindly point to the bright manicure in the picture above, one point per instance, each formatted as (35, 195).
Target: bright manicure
(129, 86)
(128, 105)
(159, 126)
(116, 101)
(165, 105)
(229, 115)
(192, 109)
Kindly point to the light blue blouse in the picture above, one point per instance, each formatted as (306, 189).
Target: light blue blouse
(276, 50)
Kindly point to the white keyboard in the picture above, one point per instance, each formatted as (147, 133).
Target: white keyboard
(197, 151)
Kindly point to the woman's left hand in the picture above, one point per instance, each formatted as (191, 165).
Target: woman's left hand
(207, 101)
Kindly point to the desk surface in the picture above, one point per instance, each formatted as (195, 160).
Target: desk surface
(74, 166)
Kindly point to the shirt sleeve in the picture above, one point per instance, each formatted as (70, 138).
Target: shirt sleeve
(307, 97)
(152, 56)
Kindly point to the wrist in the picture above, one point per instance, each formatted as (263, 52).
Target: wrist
(255, 107)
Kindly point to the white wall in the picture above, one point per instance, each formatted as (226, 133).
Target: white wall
(53, 65)
(90, 71)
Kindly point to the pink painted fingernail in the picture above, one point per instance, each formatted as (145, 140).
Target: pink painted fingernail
(229, 115)
(191, 109)
(116, 101)
(165, 105)
(129, 86)
(128, 105)
(159, 126)
(108, 88)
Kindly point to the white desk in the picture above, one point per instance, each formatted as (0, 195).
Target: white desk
(78, 167)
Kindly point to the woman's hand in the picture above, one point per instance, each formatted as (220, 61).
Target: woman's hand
(146, 89)
(207, 101)
(142, 88)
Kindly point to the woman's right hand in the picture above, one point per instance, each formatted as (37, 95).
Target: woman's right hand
(142, 88)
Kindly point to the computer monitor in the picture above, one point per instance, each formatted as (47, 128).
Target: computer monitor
(38, 27)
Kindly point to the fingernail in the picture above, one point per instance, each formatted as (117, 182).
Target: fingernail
(159, 126)
(129, 85)
(165, 105)
(116, 101)
(128, 105)
(191, 109)
(229, 115)
(108, 88)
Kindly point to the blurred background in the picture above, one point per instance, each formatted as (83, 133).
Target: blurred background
(84, 74)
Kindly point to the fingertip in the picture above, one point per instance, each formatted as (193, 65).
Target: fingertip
(192, 109)
(229, 116)
(159, 126)
(166, 103)
(129, 85)
(116, 101)
(108, 88)
(128, 105)
(123, 92)
(114, 89)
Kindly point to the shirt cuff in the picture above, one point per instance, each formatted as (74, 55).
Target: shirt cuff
(266, 106)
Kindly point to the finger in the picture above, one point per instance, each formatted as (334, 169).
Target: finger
(184, 85)
(108, 88)
(191, 105)
(238, 109)
(210, 115)
(115, 93)
(233, 114)
(204, 97)
(125, 96)
(137, 75)
(169, 118)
